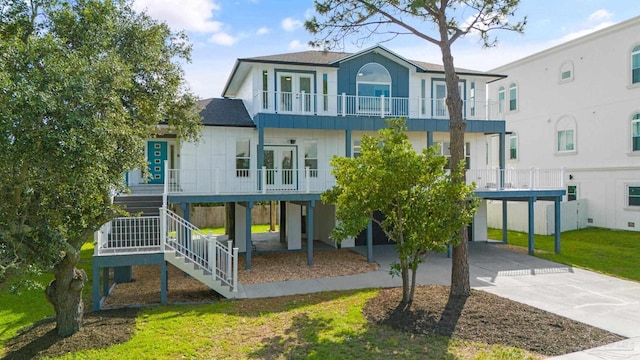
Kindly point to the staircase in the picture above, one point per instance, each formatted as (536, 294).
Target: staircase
(209, 259)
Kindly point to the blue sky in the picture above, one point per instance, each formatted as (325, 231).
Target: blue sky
(223, 30)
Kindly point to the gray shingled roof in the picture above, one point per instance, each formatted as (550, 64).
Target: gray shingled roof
(225, 112)
(328, 58)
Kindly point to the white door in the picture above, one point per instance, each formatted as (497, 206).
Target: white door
(280, 163)
(295, 93)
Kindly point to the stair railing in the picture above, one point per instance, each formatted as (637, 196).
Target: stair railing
(204, 251)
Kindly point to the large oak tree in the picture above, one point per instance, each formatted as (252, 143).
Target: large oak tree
(82, 84)
(439, 22)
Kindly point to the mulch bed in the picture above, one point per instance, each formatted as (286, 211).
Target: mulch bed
(486, 318)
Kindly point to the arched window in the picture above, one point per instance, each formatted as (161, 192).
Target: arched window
(635, 132)
(566, 135)
(513, 97)
(373, 80)
(566, 71)
(501, 98)
(635, 65)
(513, 146)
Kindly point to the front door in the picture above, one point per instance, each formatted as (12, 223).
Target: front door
(280, 163)
(295, 93)
(156, 156)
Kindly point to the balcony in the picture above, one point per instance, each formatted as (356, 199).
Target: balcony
(352, 105)
(269, 181)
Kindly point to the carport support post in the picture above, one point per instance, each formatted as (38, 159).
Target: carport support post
(531, 201)
(96, 287)
(247, 228)
(370, 242)
(557, 224)
(347, 142)
(164, 282)
(310, 207)
(505, 209)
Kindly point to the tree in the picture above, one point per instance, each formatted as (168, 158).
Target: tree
(453, 19)
(83, 84)
(422, 207)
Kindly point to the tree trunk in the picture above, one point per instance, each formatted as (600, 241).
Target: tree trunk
(459, 263)
(404, 270)
(413, 284)
(65, 294)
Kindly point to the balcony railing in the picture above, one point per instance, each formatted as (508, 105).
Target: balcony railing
(375, 106)
(262, 181)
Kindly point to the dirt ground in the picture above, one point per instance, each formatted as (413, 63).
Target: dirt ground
(482, 317)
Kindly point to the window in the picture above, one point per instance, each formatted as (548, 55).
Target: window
(356, 149)
(501, 98)
(513, 97)
(472, 99)
(633, 195)
(243, 157)
(445, 150)
(565, 140)
(372, 82)
(265, 89)
(311, 157)
(572, 193)
(513, 146)
(325, 92)
(635, 132)
(566, 135)
(566, 71)
(635, 65)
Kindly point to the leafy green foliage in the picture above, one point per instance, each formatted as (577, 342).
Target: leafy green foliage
(82, 85)
(423, 208)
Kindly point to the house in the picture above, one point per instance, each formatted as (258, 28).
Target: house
(577, 105)
(270, 138)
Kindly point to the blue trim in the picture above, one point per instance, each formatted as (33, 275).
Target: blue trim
(365, 123)
(520, 195)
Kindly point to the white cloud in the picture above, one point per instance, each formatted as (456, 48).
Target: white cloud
(189, 15)
(290, 24)
(298, 45)
(263, 31)
(222, 38)
(601, 15)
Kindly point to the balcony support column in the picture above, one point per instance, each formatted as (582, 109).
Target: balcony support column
(347, 143)
(429, 138)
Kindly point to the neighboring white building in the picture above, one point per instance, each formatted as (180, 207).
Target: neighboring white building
(577, 105)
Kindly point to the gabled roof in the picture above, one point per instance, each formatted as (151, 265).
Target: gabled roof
(225, 112)
(332, 59)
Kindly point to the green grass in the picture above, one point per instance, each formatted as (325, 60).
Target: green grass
(319, 326)
(18, 310)
(613, 252)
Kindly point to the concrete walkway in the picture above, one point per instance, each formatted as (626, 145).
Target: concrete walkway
(595, 299)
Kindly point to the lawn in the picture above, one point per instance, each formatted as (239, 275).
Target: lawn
(613, 252)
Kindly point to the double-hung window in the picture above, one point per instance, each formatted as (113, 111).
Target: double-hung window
(566, 140)
(501, 98)
(513, 97)
(633, 195)
(513, 146)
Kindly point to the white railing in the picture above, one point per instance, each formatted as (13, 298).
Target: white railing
(170, 232)
(130, 235)
(516, 179)
(204, 250)
(247, 181)
(375, 106)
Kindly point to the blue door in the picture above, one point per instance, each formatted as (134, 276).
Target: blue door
(156, 155)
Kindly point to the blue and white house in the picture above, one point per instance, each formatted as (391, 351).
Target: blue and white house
(270, 138)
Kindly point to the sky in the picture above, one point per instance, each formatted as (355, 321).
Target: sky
(222, 31)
